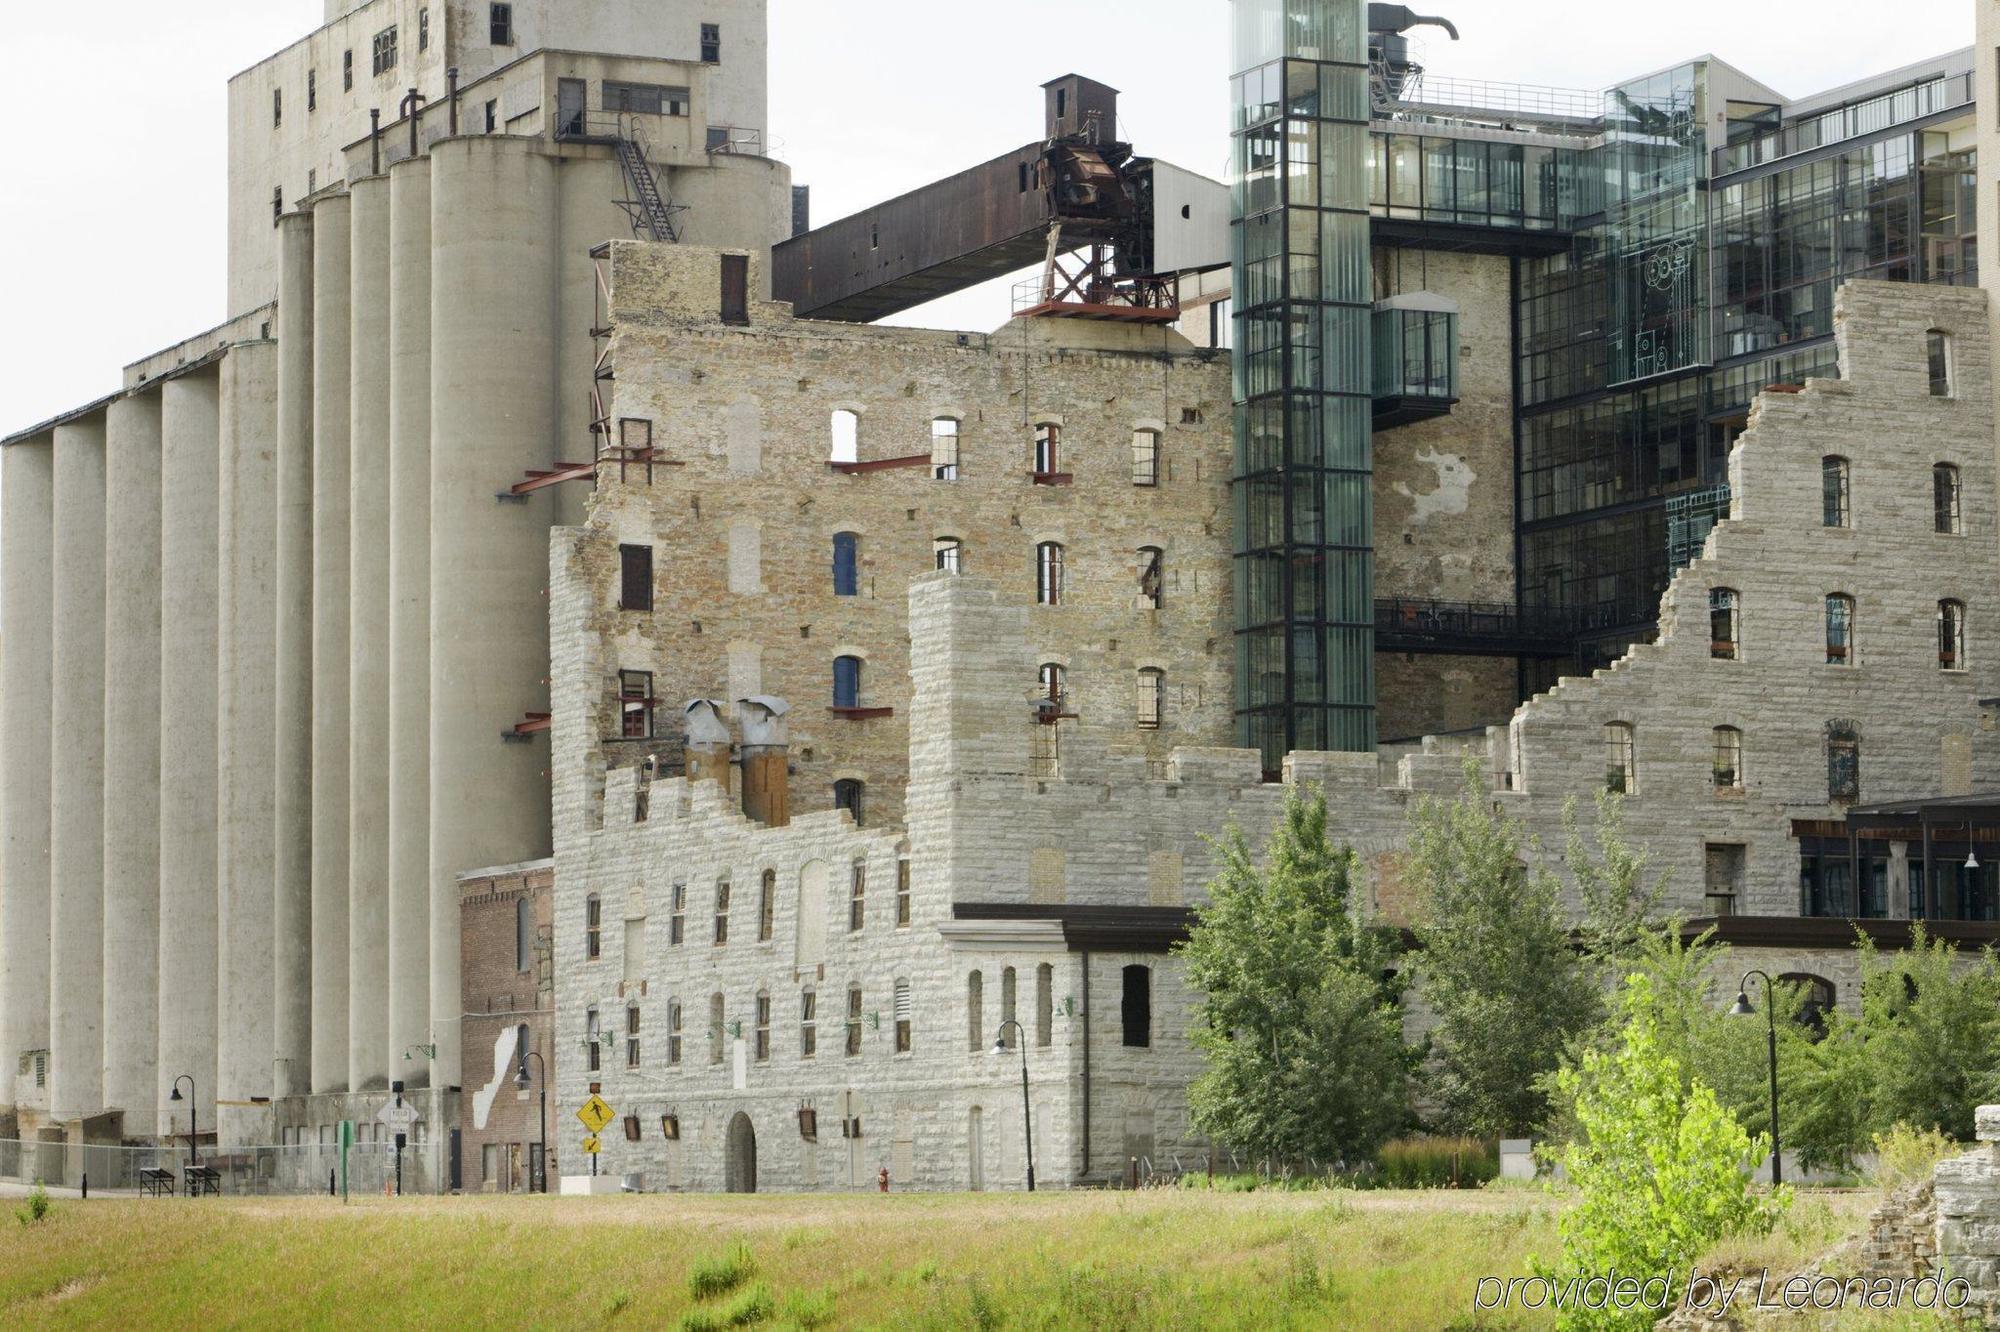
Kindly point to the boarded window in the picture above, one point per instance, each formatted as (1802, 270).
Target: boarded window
(857, 897)
(523, 933)
(1009, 1008)
(635, 578)
(735, 285)
(1135, 1010)
(674, 1031)
(722, 912)
(717, 1037)
(846, 564)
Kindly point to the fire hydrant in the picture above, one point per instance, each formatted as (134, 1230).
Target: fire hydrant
(882, 1179)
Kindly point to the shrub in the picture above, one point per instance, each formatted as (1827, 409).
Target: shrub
(752, 1306)
(37, 1208)
(1437, 1163)
(721, 1273)
(1904, 1155)
(807, 1309)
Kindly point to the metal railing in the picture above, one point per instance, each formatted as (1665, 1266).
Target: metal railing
(1848, 121)
(253, 1171)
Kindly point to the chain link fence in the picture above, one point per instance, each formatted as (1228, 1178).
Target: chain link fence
(256, 1171)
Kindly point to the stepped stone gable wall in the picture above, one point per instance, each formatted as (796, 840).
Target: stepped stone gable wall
(1967, 1199)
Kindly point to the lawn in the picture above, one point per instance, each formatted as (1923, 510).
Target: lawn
(1156, 1258)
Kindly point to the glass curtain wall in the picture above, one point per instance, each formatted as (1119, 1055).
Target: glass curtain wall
(1303, 475)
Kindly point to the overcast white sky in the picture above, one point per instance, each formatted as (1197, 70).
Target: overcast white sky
(111, 184)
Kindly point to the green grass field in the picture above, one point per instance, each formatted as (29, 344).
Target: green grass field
(1156, 1258)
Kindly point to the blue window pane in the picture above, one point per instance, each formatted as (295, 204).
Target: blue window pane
(846, 549)
(847, 682)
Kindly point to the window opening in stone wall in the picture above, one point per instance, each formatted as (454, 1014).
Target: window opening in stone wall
(1816, 1000)
(1145, 457)
(385, 50)
(857, 895)
(1843, 763)
(500, 24)
(1839, 630)
(1947, 510)
(1938, 347)
(674, 1032)
(767, 905)
(735, 275)
(677, 921)
(847, 682)
(944, 448)
(949, 552)
(847, 794)
(647, 99)
(523, 933)
(277, 107)
(1048, 449)
(423, 29)
(347, 71)
(763, 1041)
(635, 578)
(1951, 635)
(591, 1033)
(808, 1024)
(903, 892)
(593, 932)
(1152, 575)
(1049, 573)
(1152, 698)
(1045, 1004)
(853, 1020)
(632, 1036)
(846, 564)
(711, 43)
(1723, 611)
(277, 204)
(846, 431)
(1728, 759)
(1620, 773)
(312, 90)
(492, 117)
(1009, 1001)
(635, 705)
(1135, 1010)
(1834, 497)
(905, 1015)
(721, 912)
(975, 1011)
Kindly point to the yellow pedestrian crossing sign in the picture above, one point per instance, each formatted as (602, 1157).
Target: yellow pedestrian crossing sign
(590, 1146)
(595, 1114)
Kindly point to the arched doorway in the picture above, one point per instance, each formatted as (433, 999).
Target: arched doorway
(740, 1162)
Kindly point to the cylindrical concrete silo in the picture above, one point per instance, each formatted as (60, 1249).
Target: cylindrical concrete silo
(76, 776)
(246, 711)
(291, 915)
(332, 489)
(369, 1056)
(417, 1013)
(27, 613)
(494, 415)
(132, 768)
(190, 435)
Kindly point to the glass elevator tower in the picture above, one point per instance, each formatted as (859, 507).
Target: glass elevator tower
(1303, 475)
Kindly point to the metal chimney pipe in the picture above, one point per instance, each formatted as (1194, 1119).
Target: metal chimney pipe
(374, 140)
(707, 742)
(451, 91)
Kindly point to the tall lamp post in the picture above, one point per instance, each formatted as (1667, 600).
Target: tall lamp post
(1027, 1114)
(1743, 1008)
(194, 1159)
(521, 1081)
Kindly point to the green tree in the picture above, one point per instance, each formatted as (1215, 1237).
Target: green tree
(1618, 906)
(1301, 1037)
(1659, 1167)
(1501, 972)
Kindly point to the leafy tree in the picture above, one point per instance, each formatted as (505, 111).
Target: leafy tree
(1500, 970)
(1618, 906)
(1660, 1168)
(1301, 1034)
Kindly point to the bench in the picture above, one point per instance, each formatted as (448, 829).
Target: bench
(155, 1182)
(203, 1179)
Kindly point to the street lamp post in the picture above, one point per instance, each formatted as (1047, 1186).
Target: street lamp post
(521, 1081)
(1027, 1114)
(194, 1157)
(1742, 1008)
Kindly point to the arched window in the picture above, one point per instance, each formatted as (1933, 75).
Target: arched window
(767, 905)
(944, 448)
(593, 928)
(1843, 764)
(949, 552)
(1145, 457)
(847, 796)
(1723, 610)
(1135, 1010)
(1937, 345)
(1048, 449)
(847, 682)
(1728, 759)
(1152, 575)
(846, 564)
(762, 1048)
(1834, 500)
(674, 1032)
(905, 1016)
(1152, 698)
(1815, 1000)
(1009, 1011)
(1049, 573)
(1839, 629)
(1951, 635)
(846, 436)
(1045, 1004)
(975, 1012)
(716, 1036)
(1621, 772)
(1949, 518)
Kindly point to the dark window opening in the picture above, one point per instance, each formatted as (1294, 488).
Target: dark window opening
(847, 796)
(312, 90)
(1135, 1011)
(423, 29)
(1939, 347)
(645, 99)
(1722, 612)
(501, 23)
(277, 107)
(1152, 575)
(593, 927)
(847, 682)
(1834, 497)
(635, 705)
(492, 117)
(711, 43)
(1843, 765)
(1948, 514)
(635, 578)
(523, 933)
(347, 71)
(1048, 449)
(736, 289)
(853, 1020)
(1951, 635)
(846, 565)
(385, 50)
(1152, 698)
(277, 204)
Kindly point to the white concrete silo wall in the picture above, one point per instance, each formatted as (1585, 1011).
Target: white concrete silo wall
(27, 611)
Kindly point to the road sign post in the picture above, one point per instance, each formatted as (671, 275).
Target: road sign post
(346, 1142)
(595, 1114)
(398, 1116)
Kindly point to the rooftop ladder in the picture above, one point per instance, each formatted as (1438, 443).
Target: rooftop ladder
(652, 216)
